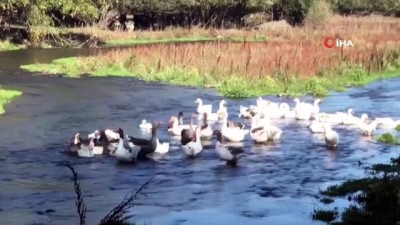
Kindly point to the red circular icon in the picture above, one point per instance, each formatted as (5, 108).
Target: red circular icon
(327, 44)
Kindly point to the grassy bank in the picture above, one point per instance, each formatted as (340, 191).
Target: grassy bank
(293, 61)
(172, 35)
(8, 46)
(95, 37)
(6, 96)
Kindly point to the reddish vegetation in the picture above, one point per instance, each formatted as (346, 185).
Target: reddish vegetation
(297, 51)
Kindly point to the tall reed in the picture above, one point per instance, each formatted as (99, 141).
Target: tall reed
(118, 215)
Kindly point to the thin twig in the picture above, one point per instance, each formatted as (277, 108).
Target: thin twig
(118, 214)
(80, 205)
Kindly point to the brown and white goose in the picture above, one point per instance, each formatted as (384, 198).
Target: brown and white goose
(229, 154)
(83, 147)
(233, 134)
(194, 147)
(175, 124)
(126, 153)
(147, 146)
(188, 134)
(206, 130)
(106, 141)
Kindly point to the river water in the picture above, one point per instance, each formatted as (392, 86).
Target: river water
(275, 184)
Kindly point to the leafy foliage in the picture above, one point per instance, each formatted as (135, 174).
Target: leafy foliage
(295, 11)
(386, 7)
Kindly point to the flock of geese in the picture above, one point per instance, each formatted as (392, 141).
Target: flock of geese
(263, 114)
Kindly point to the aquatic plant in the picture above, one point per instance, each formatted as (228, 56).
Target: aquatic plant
(377, 197)
(118, 215)
(6, 96)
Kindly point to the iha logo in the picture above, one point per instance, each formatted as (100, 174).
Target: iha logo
(329, 42)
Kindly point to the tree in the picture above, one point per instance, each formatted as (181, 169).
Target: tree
(37, 17)
(294, 11)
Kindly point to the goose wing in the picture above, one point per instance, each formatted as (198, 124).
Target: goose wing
(85, 141)
(235, 150)
(255, 130)
(139, 141)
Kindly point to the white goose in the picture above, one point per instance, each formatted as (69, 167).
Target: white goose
(302, 110)
(367, 128)
(162, 148)
(331, 136)
(348, 117)
(316, 106)
(257, 131)
(145, 125)
(223, 110)
(387, 122)
(206, 130)
(247, 112)
(274, 133)
(229, 154)
(285, 110)
(262, 103)
(201, 108)
(274, 111)
(220, 114)
(233, 134)
(126, 153)
(333, 118)
(353, 120)
(175, 129)
(193, 148)
(316, 125)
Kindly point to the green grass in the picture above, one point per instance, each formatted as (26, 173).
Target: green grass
(143, 41)
(8, 46)
(140, 41)
(389, 138)
(6, 96)
(337, 79)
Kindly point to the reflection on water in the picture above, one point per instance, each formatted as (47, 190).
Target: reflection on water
(275, 184)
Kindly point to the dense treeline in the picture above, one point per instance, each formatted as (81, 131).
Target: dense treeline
(158, 14)
(162, 13)
(366, 7)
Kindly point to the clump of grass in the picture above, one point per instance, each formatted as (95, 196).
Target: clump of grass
(118, 215)
(377, 197)
(389, 138)
(6, 96)
(122, 42)
(8, 46)
(325, 215)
